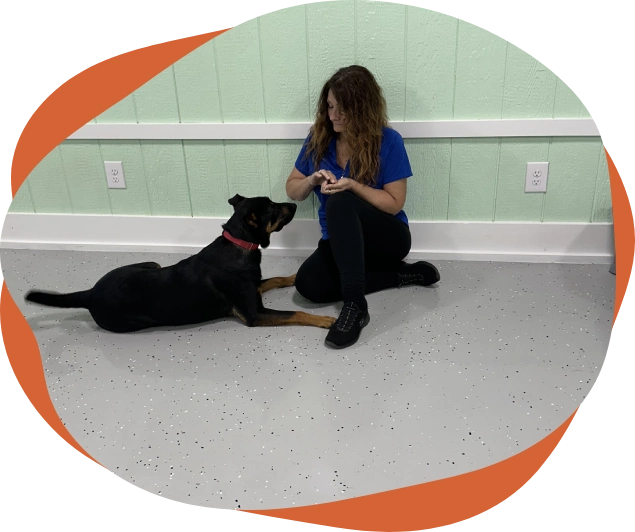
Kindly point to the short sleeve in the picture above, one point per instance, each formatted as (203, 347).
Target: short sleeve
(396, 165)
(303, 164)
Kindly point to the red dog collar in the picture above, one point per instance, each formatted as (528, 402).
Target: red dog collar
(242, 243)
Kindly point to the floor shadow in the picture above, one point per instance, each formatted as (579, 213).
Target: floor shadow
(64, 319)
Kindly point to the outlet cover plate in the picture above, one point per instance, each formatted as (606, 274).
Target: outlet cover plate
(536, 177)
(114, 174)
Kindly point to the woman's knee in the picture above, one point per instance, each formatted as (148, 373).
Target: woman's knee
(342, 202)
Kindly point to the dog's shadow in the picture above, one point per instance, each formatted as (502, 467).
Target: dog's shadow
(68, 321)
(64, 320)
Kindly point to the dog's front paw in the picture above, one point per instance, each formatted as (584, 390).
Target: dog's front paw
(325, 322)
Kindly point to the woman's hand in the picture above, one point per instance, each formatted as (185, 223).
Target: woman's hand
(330, 179)
(321, 177)
(339, 185)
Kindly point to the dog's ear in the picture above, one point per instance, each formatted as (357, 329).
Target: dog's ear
(235, 200)
(252, 220)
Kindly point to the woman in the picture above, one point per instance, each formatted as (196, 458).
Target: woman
(357, 167)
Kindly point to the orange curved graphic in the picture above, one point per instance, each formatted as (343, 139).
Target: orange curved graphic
(84, 96)
(24, 357)
(433, 504)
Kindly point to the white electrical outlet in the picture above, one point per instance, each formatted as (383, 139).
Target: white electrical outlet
(536, 177)
(114, 174)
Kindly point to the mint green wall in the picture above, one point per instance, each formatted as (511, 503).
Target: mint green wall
(271, 69)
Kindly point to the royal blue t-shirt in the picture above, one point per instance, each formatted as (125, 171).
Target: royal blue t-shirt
(393, 166)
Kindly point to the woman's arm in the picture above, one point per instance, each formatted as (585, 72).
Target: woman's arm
(390, 199)
(298, 186)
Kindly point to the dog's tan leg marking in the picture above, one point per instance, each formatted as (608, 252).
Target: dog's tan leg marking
(276, 282)
(283, 317)
(294, 318)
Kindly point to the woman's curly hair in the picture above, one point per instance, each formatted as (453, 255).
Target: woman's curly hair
(362, 102)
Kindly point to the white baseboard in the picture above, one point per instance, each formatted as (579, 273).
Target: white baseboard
(581, 243)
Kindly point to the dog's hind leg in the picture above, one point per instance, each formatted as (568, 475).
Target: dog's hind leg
(276, 282)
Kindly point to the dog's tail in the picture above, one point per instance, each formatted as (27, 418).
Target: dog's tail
(52, 299)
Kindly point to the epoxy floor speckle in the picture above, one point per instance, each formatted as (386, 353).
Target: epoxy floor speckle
(443, 381)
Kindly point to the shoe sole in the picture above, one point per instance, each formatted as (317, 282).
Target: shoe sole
(333, 346)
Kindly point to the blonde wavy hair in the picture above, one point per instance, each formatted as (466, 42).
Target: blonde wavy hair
(362, 102)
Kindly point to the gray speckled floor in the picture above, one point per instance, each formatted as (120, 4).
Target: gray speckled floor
(444, 380)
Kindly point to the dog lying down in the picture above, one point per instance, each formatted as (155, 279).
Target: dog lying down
(222, 280)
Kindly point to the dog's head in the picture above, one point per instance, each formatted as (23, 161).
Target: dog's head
(258, 217)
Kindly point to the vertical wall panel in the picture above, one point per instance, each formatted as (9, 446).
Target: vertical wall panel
(473, 179)
(166, 177)
(572, 176)
(156, 100)
(86, 177)
(47, 183)
(240, 74)
(207, 176)
(381, 48)
(428, 188)
(480, 73)
(197, 86)
(247, 168)
(602, 205)
(430, 64)
(329, 50)
(529, 86)
(284, 65)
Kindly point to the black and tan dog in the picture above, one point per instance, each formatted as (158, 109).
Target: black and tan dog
(222, 280)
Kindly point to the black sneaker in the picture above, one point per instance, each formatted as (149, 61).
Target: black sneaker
(421, 273)
(346, 330)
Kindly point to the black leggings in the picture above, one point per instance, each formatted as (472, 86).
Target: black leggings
(365, 249)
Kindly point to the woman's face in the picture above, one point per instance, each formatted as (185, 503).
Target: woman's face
(335, 114)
